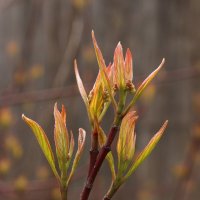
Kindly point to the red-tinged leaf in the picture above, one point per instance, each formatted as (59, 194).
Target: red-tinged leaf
(147, 81)
(147, 150)
(63, 114)
(81, 87)
(119, 67)
(61, 135)
(43, 142)
(81, 143)
(71, 147)
(126, 142)
(128, 66)
(103, 72)
(143, 86)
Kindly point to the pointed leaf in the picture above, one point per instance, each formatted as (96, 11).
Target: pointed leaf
(81, 143)
(61, 135)
(71, 148)
(126, 142)
(143, 86)
(128, 66)
(119, 67)
(147, 150)
(102, 67)
(43, 142)
(81, 87)
(146, 82)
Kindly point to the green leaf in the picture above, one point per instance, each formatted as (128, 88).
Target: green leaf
(147, 81)
(102, 67)
(147, 150)
(61, 135)
(126, 142)
(81, 143)
(43, 142)
(143, 86)
(82, 89)
(102, 140)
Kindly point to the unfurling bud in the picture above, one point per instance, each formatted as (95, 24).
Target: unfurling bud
(126, 142)
(61, 135)
(64, 144)
(123, 69)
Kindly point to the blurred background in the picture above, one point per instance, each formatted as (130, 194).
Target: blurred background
(39, 40)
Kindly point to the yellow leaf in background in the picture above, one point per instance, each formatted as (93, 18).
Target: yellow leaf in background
(20, 77)
(196, 131)
(196, 65)
(13, 146)
(36, 71)
(55, 194)
(12, 48)
(42, 172)
(180, 171)
(6, 117)
(5, 166)
(79, 4)
(20, 184)
(144, 194)
(88, 54)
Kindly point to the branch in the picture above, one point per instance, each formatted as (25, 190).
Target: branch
(100, 158)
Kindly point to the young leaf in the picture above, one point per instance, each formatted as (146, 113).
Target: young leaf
(126, 142)
(81, 143)
(61, 135)
(143, 86)
(119, 67)
(147, 150)
(146, 82)
(128, 66)
(102, 67)
(81, 88)
(71, 147)
(43, 142)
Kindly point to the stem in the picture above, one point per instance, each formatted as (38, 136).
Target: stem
(63, 191)
(93, 151)
(113, 189)
(110, 194)
(100, 158)
(105, 149)
(63, 184)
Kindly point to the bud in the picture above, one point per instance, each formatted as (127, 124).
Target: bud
(61, 135)
(123, 70)
(126, 142)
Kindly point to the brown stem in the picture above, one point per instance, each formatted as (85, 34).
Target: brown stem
(100, 158)
(63, 192)
(93, 151)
